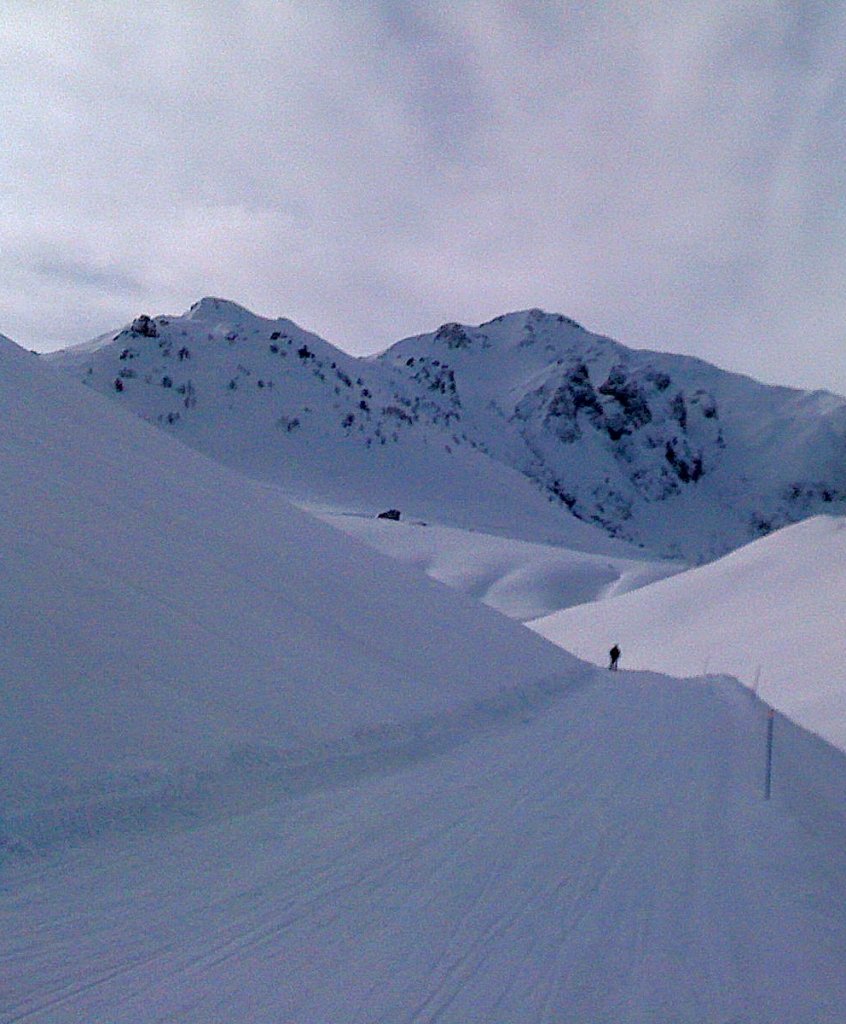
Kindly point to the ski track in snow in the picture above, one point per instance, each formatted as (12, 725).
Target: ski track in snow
(607, 859)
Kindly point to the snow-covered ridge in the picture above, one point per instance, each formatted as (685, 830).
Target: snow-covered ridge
(218, 344)
(281, 404)
(663, 451)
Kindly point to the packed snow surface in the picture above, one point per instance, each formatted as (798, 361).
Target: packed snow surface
(608, 860)
(770, 614)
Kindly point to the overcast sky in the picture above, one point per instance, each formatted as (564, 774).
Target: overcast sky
(671, 174)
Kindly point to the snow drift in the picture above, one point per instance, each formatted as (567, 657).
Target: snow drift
(516, 577)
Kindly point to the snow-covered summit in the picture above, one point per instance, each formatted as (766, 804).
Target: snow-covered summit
(520, 329)
(214, 309)
(661, 449)
(525, 418)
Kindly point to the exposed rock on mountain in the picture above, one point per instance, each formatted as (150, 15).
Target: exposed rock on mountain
(663, 450)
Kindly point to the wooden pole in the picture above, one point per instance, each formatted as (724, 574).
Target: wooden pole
(768, 778)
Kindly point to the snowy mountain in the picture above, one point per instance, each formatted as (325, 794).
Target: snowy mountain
(512, 422)
(663, 450)
(306, 783)
(770, 614)
(280, 404)
(173, 632)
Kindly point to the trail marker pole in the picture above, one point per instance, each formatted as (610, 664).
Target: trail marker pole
(768, 778)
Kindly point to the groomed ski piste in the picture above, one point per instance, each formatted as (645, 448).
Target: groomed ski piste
(607, 859)
(260, 773)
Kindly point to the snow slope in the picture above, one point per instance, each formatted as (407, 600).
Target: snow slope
(770, 614)
(403, 807)
(608, 861)
(518, 578)
(171, 632)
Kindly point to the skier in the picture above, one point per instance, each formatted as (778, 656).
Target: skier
(615, 657)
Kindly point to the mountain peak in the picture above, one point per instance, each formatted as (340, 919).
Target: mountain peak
(509, 329)
(212, 308)
(533, 316)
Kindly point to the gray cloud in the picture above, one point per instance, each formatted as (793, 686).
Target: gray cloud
(668, 174)
(86, 276)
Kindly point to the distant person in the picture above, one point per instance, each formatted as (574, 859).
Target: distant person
(614, 654)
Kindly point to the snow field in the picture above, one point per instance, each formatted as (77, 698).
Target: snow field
(609, 859)
(523, 580)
